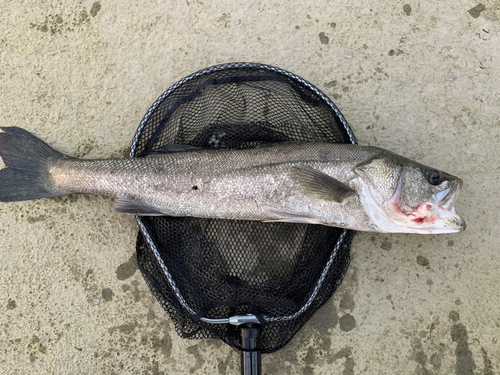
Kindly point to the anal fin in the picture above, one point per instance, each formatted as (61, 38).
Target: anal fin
(128, 206)
(291, 217)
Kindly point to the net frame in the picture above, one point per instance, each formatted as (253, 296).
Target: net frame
(187, 318)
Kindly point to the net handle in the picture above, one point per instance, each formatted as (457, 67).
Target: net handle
(250, 355)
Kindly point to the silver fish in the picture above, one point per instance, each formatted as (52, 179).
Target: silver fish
(349, 186)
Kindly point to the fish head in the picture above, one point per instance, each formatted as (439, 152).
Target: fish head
(404, 196)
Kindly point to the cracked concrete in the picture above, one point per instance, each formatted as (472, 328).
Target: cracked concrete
(419, 78)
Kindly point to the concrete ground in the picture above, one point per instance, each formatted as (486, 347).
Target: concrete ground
(419, 78)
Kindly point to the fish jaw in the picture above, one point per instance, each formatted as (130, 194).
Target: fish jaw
(446, 199)
(430, 217)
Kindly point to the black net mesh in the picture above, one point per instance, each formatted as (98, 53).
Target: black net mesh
(281, 273)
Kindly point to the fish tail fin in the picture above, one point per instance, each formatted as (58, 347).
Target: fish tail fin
(28, 160)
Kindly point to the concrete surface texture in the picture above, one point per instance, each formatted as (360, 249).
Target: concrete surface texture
(419, 78)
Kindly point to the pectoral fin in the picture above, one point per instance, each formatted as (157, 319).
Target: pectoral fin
(128, 206)
(320, 185)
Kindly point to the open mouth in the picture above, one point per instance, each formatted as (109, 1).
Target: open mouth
(446, 199)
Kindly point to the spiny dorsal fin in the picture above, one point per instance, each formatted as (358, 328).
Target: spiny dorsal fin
(174, 147)
(320, 185)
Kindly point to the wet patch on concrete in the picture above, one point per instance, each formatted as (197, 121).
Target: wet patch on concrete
(126, 329)
(428, 351)
(57, 24)
(297, 357)
(223, 366)
(331, 84)
(159, 343)
(45, 213)
(454, 316)
(347, 301)
(65, 199)
(465, 361)
(309, 358)
(34, 219)
(488, 366)
(349, 363)
(386, 244)
(35, 346)
(82, 276)
(107, 294)
(422, 261)
(308, 370)
(322, 323)
(389, 298)
(325, 319)
(407, 9)
(346, 84)
(11, 304)
(151, 315)
(152, 337)
(396, 52)
(477, 10)
(85, 149)
(195, 351)
(435, 360)
(419, 355)
(347, 293)
(126, 287)
(421, 359)
(127, 269)
(323, 38)
(223, 21)
(432, 326)
(123, 152)
(347, 323)
(133, 289)
(96, 7)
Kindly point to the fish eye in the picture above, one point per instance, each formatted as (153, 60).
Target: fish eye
(434, 177)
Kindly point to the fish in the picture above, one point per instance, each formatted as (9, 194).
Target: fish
(363, 188)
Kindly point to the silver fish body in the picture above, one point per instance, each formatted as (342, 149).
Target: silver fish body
(349, 186)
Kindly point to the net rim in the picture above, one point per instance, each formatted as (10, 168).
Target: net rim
(221, 67)
(239, 65)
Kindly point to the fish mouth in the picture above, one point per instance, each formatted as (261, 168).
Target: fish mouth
(458, 222)
(446, 198)
(448, 222)
(445, 201)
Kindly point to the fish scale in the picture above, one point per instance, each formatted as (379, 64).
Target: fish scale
(349, 186)
(233, 184)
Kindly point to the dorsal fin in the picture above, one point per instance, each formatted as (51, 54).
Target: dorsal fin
(174, 147)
